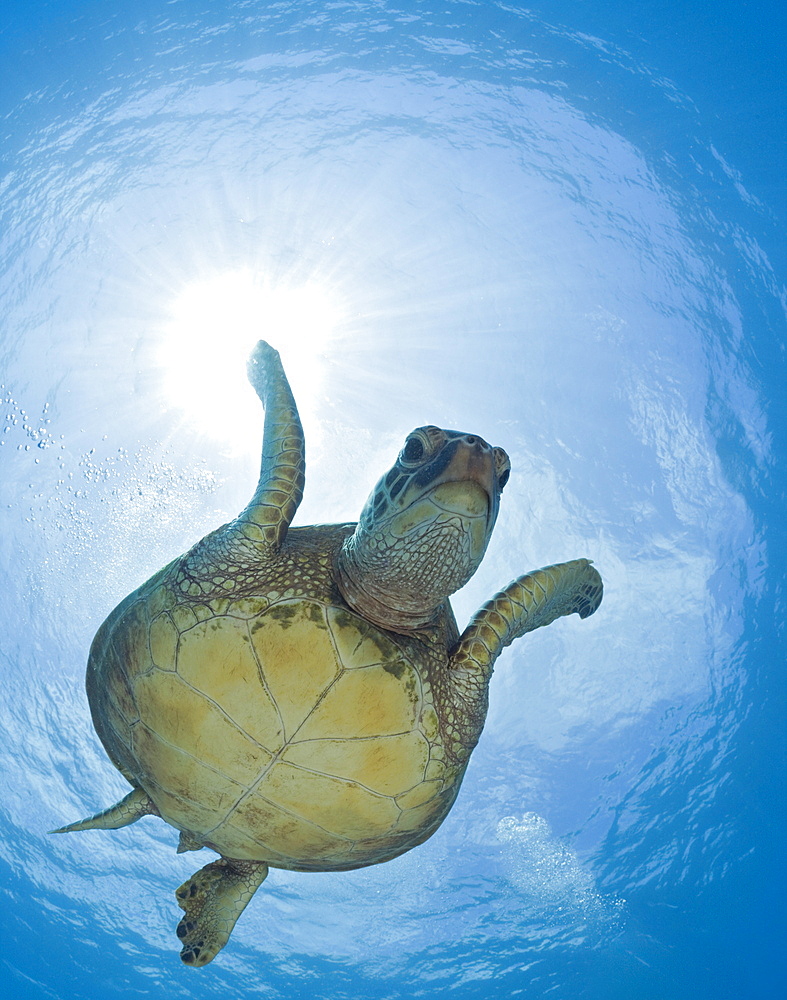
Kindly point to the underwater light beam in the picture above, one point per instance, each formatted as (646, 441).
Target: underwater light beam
(212, 328)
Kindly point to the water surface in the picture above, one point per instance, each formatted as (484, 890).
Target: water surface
(543, 225)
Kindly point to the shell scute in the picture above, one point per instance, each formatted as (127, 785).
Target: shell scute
(119, 696)
(188, 720)
(427, 816)
(128, 643)
(246, 607)
(214, 659)
(183, 616)
(384, 764)
(163, 642)
(181, 774)
(436, 768)
(419, 795)
(372, 701)
(358, 644)
(429, 723)
(117, 729)
(297, 658)
(183, 812)
(337, 806)
(286, 836)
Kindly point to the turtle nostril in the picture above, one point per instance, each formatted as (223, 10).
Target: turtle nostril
(471, 439)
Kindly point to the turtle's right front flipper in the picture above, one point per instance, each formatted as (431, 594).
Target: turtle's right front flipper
(280, 488)
(527, 603)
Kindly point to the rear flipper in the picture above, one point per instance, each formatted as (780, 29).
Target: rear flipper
(213, 899)
(133, 807)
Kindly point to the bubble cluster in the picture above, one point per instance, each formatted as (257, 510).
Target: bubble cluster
(87, 503)
(551, 876)
(35, 433)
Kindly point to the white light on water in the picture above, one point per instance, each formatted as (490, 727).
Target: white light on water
(213, 326)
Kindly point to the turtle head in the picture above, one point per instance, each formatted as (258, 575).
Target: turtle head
(424, 529)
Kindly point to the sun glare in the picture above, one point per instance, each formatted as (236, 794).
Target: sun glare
(210, 333)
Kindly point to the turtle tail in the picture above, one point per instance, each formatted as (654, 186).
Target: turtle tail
(131, 808)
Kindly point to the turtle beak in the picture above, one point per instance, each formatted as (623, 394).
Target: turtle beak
(467, 486)
(464, 496)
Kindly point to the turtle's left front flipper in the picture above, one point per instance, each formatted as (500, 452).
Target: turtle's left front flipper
(527, 603)
(280, 488)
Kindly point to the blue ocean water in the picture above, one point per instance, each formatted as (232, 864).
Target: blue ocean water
(560, 226)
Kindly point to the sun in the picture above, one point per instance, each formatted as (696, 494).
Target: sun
(212, 327)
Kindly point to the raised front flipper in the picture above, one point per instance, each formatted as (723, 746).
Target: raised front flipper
(213, 899)
(527, 603)
(280, 487)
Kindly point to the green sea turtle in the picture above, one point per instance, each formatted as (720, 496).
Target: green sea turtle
(302, 698)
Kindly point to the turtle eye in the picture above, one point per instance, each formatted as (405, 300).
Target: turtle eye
(413, 450)
(502, 467)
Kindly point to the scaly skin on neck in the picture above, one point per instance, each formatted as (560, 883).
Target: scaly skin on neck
(376, 598)
(422, 532)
